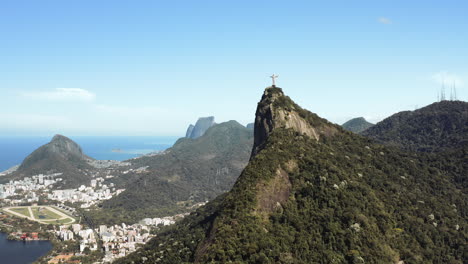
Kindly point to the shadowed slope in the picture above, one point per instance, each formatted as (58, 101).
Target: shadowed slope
(315, 193)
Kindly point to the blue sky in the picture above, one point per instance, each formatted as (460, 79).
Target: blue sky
(153, 67)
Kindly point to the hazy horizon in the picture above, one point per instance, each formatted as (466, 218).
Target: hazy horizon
(151, 68)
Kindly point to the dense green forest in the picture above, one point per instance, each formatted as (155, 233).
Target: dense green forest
(437, 127)
(192, 171)
(357, 125)
(338, 199)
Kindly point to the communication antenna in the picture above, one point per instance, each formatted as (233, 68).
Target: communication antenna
(451, 93)
(442, 92)
(454, 91)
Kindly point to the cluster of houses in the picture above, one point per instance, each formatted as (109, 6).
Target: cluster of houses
(25, 236)
(86, 236)
(120, 240)
(87, 195)
(117, 240)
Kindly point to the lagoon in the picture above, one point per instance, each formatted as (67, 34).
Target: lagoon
(19, 252)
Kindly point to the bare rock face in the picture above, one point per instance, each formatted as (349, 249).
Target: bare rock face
(189, 131)
(294, 121)
(309, 184)
(200, 127)
(64, 146)
(59, 148)
(276, 110)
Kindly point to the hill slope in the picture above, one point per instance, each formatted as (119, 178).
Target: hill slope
(60, 155)
(357, 125)
(437, 127)
(192, 171)
(315, 193)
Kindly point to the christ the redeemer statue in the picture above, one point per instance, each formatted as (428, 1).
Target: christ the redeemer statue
(273, 77)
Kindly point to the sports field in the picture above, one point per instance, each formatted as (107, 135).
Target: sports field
(41, 214)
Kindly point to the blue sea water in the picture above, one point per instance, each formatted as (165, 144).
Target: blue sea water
(13, 150)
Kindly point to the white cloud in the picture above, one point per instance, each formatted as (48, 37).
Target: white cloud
(385, 20)
(448, 79)
(62, 94)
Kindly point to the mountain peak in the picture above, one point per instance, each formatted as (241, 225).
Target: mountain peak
(60, 147)
(437, 127)
(65, 146)
(275, 110)
(60, 155)
(357, 125)
(60, 138)
(314, 193)
(202, 125)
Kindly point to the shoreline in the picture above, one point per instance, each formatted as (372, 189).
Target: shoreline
(35, 252)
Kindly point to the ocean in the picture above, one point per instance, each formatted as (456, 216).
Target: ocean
(13, 150)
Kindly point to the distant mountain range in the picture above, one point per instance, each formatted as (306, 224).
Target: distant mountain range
(190, 172)
(315, 193)
(309, 191)
(357, 125)
(193, 171)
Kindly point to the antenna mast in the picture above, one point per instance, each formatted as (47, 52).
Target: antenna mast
(454, 91)
(442, 92)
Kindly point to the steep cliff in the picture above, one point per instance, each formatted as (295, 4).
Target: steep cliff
(188, 134)
(315, 193)
(202, 125)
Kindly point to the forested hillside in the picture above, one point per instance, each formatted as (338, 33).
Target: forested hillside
(192, 171)
(315, 193)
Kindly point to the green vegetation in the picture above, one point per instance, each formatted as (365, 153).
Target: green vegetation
(342, 199)
(440, 130)
(437, 127)
(60, 155)
(357, 125)
(192, 171)
(21, 210)
(43, 213)
(9, 224)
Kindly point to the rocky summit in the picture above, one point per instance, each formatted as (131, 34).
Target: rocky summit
(60, 155)
(202, 125)
(313, 192)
